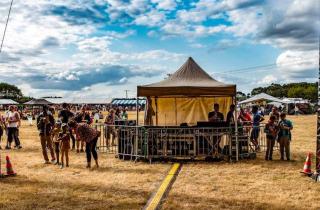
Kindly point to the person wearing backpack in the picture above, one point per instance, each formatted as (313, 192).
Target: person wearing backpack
(284, 136)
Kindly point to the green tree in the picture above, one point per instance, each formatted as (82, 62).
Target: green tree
(9, 91)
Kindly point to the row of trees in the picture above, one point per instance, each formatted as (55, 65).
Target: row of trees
(9, 91)
(292, 90)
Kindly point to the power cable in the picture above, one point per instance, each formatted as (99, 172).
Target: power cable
(5, 28)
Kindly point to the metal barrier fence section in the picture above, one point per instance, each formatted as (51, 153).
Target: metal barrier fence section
(148, 142)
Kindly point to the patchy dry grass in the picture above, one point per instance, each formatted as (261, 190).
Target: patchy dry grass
(254, 184)
(116, 184)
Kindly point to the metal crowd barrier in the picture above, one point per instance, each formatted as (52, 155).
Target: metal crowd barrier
(151, 142)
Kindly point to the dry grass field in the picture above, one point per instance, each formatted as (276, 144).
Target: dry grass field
(118, 184)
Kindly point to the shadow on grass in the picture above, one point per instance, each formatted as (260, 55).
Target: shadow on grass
(24, 193)
(183, 201)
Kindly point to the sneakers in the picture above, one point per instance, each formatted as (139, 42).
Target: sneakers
(46, 162)
(18, 147)
(81, 150)
(7, 147)
(61, 167)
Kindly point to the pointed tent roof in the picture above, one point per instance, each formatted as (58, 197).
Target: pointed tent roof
(40, 101)
(261, 97)
(189, 80)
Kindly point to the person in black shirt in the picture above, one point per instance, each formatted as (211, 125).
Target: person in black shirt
(230, 116)
(215, 116)
(65, 115)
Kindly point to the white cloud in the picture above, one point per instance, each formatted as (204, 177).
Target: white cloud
(298, 64)
(165, 4)
(268, 79)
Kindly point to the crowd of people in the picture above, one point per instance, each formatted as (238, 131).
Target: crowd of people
(278, 128)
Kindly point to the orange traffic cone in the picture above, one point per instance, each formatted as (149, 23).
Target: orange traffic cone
(10, 171)
(307, 165)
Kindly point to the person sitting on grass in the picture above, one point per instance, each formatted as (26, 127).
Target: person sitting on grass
(271, 134)
(55, 137)
(284, 136)
(64, 138)
(257, 118)
(90, 136)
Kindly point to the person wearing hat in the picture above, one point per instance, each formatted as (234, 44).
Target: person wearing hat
(90, 136)
(64, 138)
(45, 123)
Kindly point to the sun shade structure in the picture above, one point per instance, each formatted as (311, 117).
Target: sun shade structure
(187, 96)
(8, 102)
(260, 98)
(40, 101)
(189, 80)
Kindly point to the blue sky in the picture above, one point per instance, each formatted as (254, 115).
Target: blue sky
(99, 48)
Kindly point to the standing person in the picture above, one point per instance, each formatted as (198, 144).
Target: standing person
(64, 138)
(256, 119)
(82, 117)
(215, 115)
(274, 112)
(271, 134)
(45, 123)
(284, 136)
(55, 137)
(90, 136)
(2, 128)
(65, 115)
(110, 127)
(19, 125)
(230, 116)
(125, 113)
(13, 119)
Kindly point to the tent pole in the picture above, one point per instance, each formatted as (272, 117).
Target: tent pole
(236, 128)
(137, 110)
(176, 112)
(156, 101)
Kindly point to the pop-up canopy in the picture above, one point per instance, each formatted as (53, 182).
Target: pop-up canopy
(185, 97)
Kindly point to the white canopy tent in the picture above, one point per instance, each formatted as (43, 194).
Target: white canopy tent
(79, 100)
(261, 97)
(8, 102)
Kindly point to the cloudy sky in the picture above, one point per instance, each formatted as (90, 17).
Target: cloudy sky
(99, 48)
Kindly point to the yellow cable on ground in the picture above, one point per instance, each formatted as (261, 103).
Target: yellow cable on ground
(155, 201)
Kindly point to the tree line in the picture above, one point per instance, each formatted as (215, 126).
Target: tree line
(291, 90)
(8, 91)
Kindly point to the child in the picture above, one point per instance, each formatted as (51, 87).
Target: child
(55, 137)
(271, 133)
(64, 138)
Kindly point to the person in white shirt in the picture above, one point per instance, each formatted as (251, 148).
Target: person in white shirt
(13, 122)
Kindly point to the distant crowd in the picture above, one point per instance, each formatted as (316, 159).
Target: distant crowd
(70, 130)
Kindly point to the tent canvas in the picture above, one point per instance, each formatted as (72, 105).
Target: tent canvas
(261, 97)
(187, 96)
(40, 101)
(8, 102)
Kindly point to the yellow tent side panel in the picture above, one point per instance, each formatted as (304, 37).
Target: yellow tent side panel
(174, 111)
